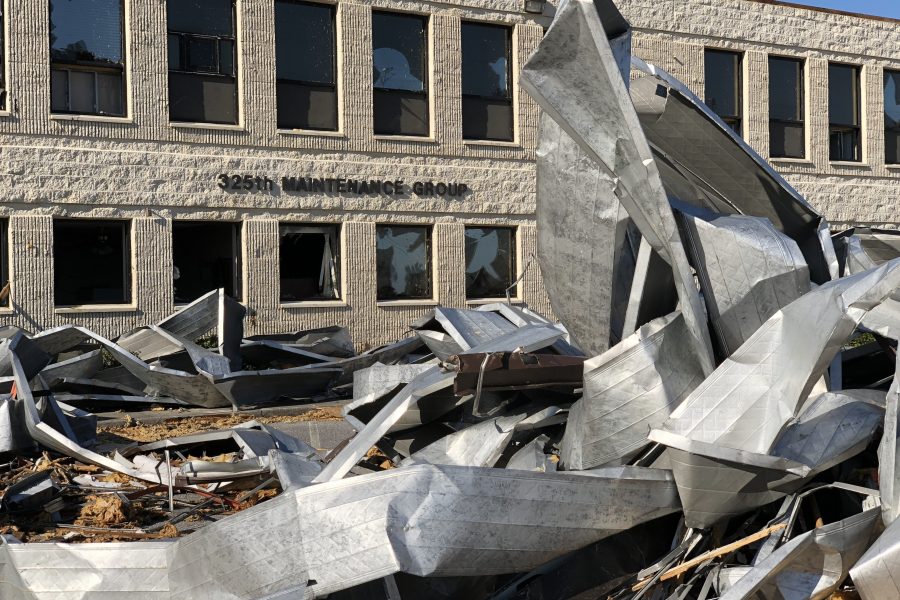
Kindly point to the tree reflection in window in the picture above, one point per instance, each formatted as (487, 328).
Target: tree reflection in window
(399, 61)
(403, 262)
(490, 261)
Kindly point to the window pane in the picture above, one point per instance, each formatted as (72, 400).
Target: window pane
(202, 98)
(226, 57)
(486, 119)
(202, 55)
(403, 262)
(785, 89)
(400, 113)
(892, 146)
(490, 262)
(175, 52)
(81, 92)
(209, 17)
(398, 43)
(843, 95)
(304, 42)
(86, 30)
(892, 116)
(309, 262)
(302, 106)
(109, 94)
(723, 82)
(59, 90)
(786, 140)
(206, 256)
(91, 262)
(844, 144)
(485, 60)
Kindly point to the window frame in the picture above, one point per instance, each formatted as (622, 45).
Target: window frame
(891, 130)
(429, 259)
(128, 262)
(514, 266)
(801, 104)
(425, 93)
(184, 39)
(78, 66)
(510, 96)
(333, 87)
(736, 121)
(843, 128)
(337, 262)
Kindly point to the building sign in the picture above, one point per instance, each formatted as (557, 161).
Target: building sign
(342, 185)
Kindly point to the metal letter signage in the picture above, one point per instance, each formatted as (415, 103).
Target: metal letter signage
(231, 182)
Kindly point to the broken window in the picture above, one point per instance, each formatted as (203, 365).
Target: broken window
(892, 117)
(202, 83)
(486, 85)
(399, 58)
(305, 65)
(403, 262)
(723, 86)
(87, 58)
(490, 261)
(91, 262)
(206, 256)
(787, 137)
(309, 258)
(843, 113)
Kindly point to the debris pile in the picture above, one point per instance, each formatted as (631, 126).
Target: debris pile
(718, 418)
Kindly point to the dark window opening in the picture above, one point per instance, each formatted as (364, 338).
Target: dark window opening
(403, 262)
(787, 136)
(400, 61)
(4, 262)
(843, 113)
(305, 65)
(206, 256)
(892, 117)
(202, 82)
(724, 86)
(309, 262)
(490, 262)
(91, 262)
(486, 83)
(87, 57)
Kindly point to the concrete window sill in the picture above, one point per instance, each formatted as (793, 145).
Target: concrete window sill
(842, 164)
(493, 144)
(484, 301)
(95, 308)
(208, 126)
(802, 162)
(405, 138)
(312, 133)
(313, 304)
(402, 303)
(92, 118)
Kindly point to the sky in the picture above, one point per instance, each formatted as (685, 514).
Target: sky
(883, 8)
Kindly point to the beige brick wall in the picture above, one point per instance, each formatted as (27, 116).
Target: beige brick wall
(674, 33)
(143, 169)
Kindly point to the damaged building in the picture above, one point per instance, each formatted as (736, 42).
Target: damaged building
(325, 164)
